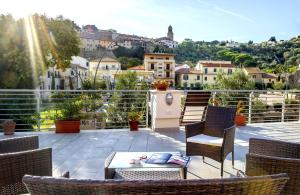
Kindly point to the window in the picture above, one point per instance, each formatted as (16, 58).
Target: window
(106, 67)
(205, 70)
(48, 74)
(72, 72)
(87, 64)
(270, 80)
(229, 71)
(214, 78)
(152, 67)
(254, 76)
(205, 78)
(168, 67)
(215, 70)
(185, 77)
(167, 58)
(198, 77)
(151, 58)
(49, 87)
(167, 74)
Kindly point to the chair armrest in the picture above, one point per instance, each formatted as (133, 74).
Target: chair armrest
(274, 148)
(257, 164)
(228, 139)
(18, 144)
(194, 129)
(33, 162)
(241, 174)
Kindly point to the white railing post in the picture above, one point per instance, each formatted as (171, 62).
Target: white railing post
(147, 109)
(214, 98)
(38, 109)
(250, 107)
(283, 107)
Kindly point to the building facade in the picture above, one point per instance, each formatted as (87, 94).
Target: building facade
(255, 74)
(162, 64)
(210, 70)
(107, 68)
(67, 79)
(187, 78)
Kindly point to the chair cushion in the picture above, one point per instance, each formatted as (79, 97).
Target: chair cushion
(206, 139)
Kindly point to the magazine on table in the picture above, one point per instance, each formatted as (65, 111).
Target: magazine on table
(168, 158)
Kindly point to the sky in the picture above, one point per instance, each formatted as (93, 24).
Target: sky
(237, 20)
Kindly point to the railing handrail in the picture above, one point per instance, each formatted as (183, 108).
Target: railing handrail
(115, 90)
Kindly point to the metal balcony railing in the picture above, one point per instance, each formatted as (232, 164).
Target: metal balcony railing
(36, 110)
(260, 106)
(100, 109)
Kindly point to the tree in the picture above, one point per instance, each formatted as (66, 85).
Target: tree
(24, 57)
(124, 102)
(237, 81)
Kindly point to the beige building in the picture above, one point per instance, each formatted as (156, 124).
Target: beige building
(107, 67)
(210, 70)
(269, 79)
(254, 73)
(188, 78)
(142, 74)
(162, 64)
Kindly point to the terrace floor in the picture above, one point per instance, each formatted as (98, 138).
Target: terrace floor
(83, 154)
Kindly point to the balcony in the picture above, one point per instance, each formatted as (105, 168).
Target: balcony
(83, 154)
(270, 114)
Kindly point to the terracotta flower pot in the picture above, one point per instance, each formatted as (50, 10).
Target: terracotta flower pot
(67, 126)
(161, 88)
(134, 125)
(9, 128)
(240, 120)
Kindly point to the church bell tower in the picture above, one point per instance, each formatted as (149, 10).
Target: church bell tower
(170, 34)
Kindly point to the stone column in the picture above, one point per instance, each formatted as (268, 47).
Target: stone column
(165, 114)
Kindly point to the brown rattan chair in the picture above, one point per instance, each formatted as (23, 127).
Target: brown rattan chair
(262, 185)
(13, 166)
(20, 156)
(213, 137)
(18, 144)
(272, 157)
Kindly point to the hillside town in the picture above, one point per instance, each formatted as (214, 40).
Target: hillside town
(98, 60)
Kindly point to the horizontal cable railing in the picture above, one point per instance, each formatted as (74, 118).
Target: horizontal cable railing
(260, 106)
(99, 109)
(34, 110)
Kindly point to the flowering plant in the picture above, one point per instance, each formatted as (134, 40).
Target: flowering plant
(161, 85)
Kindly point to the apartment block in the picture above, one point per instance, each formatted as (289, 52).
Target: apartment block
(163, 65)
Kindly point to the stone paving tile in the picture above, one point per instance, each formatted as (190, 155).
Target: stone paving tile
(83, 154)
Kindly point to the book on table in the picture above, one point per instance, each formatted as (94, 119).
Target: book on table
(168, 158)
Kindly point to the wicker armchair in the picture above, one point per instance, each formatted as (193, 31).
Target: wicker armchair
(13, 166)
(266, 185)
(214, 137)
(272, 157)
(18, 144)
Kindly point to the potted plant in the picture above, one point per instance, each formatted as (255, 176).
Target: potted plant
(67, 117)
(161, 85)
(240, 119)
(9, 127)
(134, 118)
